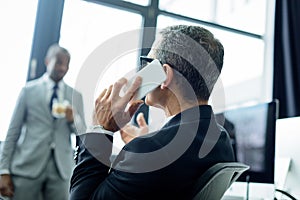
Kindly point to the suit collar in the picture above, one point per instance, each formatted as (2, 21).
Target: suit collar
(50, 83)
(192, 114)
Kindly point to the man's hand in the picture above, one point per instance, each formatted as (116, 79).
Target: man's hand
(114, 112)
(129, 132)
(69, 114)
(6, 185)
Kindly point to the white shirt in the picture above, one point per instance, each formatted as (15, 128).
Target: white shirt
(50, 84)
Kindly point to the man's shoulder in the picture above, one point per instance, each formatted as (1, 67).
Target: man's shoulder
(34, 83)
(72, 89)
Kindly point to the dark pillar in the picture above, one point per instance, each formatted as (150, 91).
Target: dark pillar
(150, 20)
(47, 32)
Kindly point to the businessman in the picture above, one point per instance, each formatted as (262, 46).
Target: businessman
(37, 157)
(164, 164)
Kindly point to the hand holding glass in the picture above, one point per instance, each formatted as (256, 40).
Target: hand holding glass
(59, 108)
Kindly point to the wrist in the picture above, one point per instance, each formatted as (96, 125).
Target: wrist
(99, 129)
(70, 123)
(4, 172)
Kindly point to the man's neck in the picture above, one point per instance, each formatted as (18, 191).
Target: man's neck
(174, 106)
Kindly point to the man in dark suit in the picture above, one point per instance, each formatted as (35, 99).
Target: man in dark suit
(37, 157)
(164, 164)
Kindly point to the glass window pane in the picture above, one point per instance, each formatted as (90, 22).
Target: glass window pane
(85, 31)
(243, 55)
(243, 60)
(247, 15)
(199, 9)
(17, 21)
(140, 2)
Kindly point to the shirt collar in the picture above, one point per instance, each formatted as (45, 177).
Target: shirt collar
(192, 114)
(169, 118)
(50, 83)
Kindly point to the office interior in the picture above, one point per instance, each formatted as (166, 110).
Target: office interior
(261, 60)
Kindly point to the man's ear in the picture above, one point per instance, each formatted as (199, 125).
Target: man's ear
(46, 61)
(170, 74)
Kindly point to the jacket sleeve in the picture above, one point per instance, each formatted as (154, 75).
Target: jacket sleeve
(79, 124)
(14, 131)
(93, 164)
(94, 178)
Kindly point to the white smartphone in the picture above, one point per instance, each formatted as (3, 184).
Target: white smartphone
(153, 75)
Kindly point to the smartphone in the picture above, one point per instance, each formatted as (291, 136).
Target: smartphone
(153, 75)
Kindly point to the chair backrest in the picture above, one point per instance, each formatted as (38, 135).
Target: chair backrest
(217, 179)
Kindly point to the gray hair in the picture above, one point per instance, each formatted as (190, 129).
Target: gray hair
(195, 53)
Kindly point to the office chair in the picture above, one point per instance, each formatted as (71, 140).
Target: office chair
(217, 179)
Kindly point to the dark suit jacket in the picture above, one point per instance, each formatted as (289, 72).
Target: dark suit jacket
(161, 165)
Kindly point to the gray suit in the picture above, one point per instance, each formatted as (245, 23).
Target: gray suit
(33, 133)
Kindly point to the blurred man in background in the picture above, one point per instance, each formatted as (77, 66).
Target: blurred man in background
(37, 156)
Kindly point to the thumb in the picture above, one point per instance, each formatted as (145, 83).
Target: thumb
(141, 120)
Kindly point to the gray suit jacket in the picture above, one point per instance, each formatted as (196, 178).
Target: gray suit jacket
(32, 132)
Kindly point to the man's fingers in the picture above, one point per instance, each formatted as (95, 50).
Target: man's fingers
(126, 137)
(117, 88)
(105, 94)
(102, 94)
(141, 120)
(110, 108)
(7, 191)
(133, 88)
(108, 92)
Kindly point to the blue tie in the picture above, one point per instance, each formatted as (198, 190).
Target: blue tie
(54, 96)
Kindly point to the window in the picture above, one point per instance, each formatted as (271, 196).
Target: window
(98, 45)
(140, 2)
(247, 15)
(247, 70)
(247, 39)
(199, 9)
(245, 27)
(17, 28)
